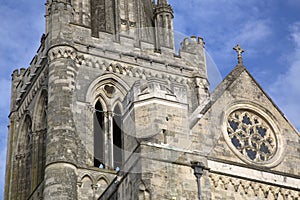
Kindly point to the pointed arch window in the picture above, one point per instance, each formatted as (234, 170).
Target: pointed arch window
(39, 146)
(28, 156)
(24, 160)
(103, 16)
(82, 12)
(117, 137)
(99, 132)
(108, 137)
(98, 21)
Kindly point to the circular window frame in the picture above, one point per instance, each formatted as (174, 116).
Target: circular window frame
(270, 120)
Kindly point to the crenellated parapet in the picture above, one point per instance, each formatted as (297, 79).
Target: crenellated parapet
(56, 6)
(192, 50)
(192, 44)
(18, 73)
(27, 82)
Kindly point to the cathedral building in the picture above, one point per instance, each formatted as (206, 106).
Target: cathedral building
(108, 109)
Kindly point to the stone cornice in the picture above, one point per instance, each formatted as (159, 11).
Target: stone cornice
(65, 51)
(134, 70)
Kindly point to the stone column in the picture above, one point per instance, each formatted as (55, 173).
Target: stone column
(61, 142)
(110, 139)
(106, 139)
(34, 157)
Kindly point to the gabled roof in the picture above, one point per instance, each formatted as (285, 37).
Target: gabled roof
(227, 81)
(230, 79)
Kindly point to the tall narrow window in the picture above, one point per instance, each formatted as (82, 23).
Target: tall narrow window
(98, 135)
(98, 20)
(28, 155)
(39, 146)
(117, 138)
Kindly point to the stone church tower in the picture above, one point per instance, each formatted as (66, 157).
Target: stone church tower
(108, 110)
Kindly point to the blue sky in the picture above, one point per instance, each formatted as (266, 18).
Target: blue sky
(269, 31)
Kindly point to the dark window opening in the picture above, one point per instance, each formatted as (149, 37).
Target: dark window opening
(234, 125)
(99, 136)
(251, 154)
(117, 138)
(98, 18)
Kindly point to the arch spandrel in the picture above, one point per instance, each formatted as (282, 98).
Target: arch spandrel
(95, 87)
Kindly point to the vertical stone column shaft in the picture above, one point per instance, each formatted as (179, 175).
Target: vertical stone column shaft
(61, 144)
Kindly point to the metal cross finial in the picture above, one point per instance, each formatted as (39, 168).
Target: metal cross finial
(239, 51)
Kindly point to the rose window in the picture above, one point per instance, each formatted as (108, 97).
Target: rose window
(251, 135)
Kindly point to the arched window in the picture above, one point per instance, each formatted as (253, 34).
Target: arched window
(117, 138)
(82, 12)
(106, 95)
(107, 137)
(28, 154)
(98, 18)
(99, 132)
(39, 138)
(24, 159)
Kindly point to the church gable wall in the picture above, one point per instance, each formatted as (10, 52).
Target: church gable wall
(244, 91)
(229, 169)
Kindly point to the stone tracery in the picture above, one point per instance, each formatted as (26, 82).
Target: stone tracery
(251, 135)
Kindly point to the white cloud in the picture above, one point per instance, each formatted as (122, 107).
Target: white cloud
(251, 36)
(295, 35)
(253, 31)
(286, 88)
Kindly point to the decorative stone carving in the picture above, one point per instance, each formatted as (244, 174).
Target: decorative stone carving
(136, 71)
(251, 135)
(64, 52)
(242, 188)
(92, 183)
(109, 90)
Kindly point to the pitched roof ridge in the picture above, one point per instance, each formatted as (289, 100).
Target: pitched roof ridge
(231, 77)
(227, 81)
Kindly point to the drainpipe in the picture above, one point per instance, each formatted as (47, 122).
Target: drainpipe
(198, 172)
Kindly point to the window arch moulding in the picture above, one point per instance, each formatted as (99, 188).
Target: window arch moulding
(110, 79)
